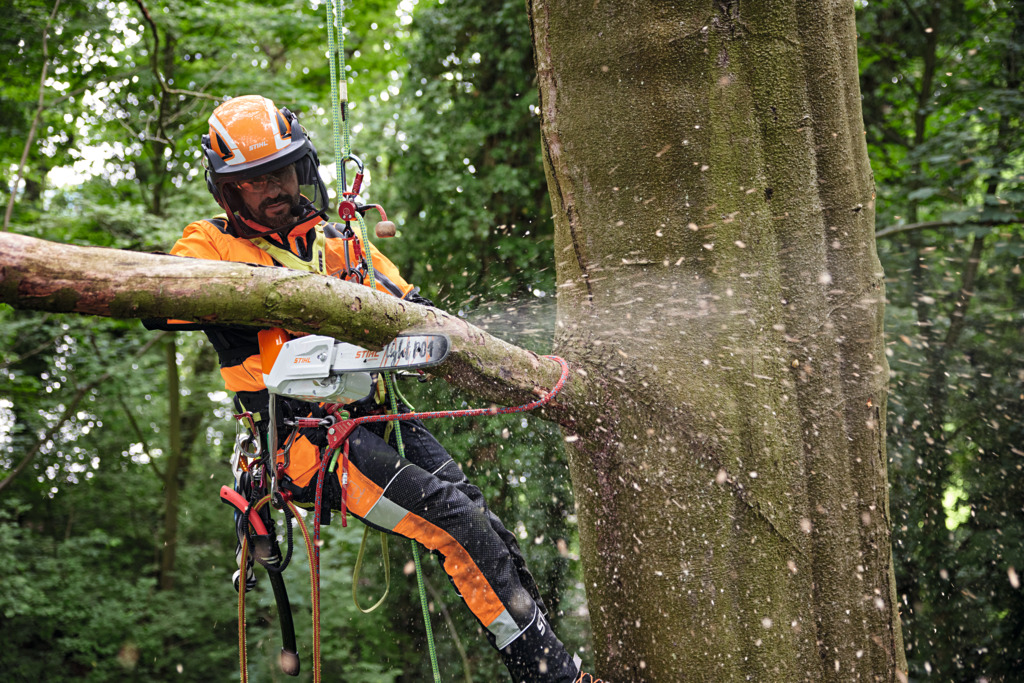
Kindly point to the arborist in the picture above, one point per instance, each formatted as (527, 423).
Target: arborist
(263, 171)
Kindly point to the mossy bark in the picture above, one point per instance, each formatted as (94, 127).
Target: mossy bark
(719, 288)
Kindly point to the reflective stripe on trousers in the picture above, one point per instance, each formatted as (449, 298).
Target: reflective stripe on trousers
(406, 498)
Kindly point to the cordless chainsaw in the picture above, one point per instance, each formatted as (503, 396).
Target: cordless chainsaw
(321, 369)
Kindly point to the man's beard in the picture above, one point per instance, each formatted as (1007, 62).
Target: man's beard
(279, 219)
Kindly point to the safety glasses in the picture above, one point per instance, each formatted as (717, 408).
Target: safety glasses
(261, 183)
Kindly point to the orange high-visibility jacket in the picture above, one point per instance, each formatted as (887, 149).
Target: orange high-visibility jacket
(237, 346)
(211, 239)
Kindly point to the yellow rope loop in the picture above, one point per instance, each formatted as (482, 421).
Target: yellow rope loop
(359, 564)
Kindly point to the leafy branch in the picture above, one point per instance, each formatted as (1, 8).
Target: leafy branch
(40, 106)
(155, 58)
(70, 410)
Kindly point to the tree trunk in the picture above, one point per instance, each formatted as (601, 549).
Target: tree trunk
(719, 288)
(172, 486)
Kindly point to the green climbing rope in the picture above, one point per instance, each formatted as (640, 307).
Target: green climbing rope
(393, 394)
(342, 152)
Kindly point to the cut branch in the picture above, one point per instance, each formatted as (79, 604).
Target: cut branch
(40, 275)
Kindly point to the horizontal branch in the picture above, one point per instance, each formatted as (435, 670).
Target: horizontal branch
(40, 275)
(894, 229)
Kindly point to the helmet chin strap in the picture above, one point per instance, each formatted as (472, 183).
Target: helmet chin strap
(302, 212)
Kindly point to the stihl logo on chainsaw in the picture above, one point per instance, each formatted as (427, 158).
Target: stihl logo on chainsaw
(363, 354)
(299, 361)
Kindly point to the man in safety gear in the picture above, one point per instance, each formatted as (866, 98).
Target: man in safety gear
(262, 170)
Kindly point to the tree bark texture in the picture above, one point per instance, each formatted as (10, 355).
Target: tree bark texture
(40, 275)
(172, 471)
(720, 290)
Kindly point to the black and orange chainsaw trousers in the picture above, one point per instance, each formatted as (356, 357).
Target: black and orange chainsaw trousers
(427, 498)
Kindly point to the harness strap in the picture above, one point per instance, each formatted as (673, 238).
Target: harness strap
(315, 263)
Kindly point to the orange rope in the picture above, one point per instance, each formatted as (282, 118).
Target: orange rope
(314, 593)
(242, 654)
(243, 667)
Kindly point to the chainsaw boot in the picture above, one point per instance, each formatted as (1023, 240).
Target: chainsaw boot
(538, 656)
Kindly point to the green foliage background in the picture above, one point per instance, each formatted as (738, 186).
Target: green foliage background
(943, 107)
(444, 102)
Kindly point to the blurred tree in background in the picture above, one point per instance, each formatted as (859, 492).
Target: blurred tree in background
(444, 102)
(943, 111)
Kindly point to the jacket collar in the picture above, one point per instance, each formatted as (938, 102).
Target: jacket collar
(300, 229)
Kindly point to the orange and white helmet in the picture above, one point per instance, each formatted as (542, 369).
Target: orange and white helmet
(249, 137)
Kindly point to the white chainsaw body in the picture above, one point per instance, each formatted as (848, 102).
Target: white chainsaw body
(317, 368)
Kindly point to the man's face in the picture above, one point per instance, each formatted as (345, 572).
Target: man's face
(270, 197)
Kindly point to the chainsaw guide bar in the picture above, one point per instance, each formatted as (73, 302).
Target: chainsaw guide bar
(405, 352)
